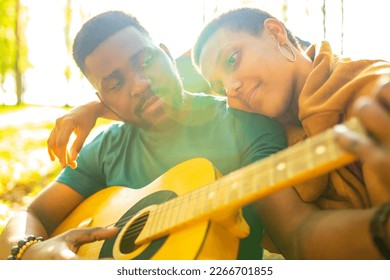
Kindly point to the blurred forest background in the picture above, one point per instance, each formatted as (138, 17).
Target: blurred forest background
(39, 80)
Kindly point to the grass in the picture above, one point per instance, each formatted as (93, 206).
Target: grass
(25, 166)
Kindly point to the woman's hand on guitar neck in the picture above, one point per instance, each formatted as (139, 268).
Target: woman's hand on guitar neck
(66, 245)
(374, 151)
(79, 121)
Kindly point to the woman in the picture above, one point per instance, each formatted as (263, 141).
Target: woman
(252, 58)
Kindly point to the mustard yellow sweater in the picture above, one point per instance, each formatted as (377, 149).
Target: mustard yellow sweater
(326, 100)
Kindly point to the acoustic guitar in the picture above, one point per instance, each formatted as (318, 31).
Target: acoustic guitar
(191, 211)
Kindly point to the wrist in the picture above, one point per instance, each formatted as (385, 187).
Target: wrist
(387, 238)
(103, 111)
(380, 229)
(18, 250)
(98, 108)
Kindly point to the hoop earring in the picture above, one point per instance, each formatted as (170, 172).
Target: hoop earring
(290, 50)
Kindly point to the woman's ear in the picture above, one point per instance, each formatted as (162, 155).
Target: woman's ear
(166, 50)
(276, 30)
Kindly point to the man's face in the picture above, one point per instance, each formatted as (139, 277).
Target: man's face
(135, 78)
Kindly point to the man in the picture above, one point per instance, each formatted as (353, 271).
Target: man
(163, 126)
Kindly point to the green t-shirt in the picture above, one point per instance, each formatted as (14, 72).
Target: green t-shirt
(124, 155)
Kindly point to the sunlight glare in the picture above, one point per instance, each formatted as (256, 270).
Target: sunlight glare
(176, 24)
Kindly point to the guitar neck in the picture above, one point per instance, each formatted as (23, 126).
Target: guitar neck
(308, 159)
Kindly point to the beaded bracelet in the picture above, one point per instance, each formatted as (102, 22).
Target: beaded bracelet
(18, 250)
(378, 227)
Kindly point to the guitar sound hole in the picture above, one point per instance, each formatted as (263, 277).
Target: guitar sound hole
(127, 244)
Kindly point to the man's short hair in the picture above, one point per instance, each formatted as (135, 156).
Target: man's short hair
(98, 29)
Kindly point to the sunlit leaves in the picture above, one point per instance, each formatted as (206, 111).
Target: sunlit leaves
(13, 47)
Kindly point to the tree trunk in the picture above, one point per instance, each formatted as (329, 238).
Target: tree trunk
(324, 17)
(17, 72)
(342, 27)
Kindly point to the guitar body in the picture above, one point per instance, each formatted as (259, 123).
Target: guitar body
(128, 210)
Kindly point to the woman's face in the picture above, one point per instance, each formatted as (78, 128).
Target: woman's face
(250, 70)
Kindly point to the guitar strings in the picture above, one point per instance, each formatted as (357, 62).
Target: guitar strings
(137, 226)
(168, 209)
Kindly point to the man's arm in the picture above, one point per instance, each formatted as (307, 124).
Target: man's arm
(42, 217)
(80, 120)
(302, 231)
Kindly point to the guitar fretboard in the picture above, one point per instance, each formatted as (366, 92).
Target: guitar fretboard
(308, 159)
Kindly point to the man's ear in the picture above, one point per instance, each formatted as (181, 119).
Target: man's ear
(166, 50)
(276, 29)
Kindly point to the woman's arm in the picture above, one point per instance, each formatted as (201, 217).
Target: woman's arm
(80, 121)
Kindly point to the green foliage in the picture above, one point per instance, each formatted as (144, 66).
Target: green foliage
(284, 11)
(10, 48)
(68, 39)
(67, 72)
(7, 37)
(68, 23)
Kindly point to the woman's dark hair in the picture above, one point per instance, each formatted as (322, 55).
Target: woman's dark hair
(244, 19)
(97, 30)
